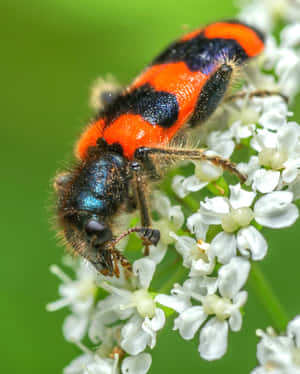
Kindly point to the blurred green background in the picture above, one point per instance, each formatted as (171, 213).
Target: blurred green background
(51, 52)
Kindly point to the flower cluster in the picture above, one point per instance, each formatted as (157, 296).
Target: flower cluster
(216, 240)
(279, 354)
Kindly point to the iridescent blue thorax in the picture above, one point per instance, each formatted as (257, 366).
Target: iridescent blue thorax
(101, 185)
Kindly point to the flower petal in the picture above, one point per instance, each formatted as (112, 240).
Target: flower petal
(205, 171)
(182, 186)
(221, 143)
(240, 198)
(74, 327)
(265, 180)
(150, 326)
(213, 209)
(233, 276)
(218, 205)
(275, 210)
(289, 174)
(161, 203)
(144, 268)
(189, 321)
(78, 365)
(223, 246)
(196, 226)
(202, 267)
(202, 285)
(176, 302)
(235, 320)
(251, 240)
(176, 216)
(293, 330)
(133, 338)
(139, 364)
(272, 120)
(183, 246)
(213, 339)
(294, 187)
(157, 252)
(101, 366)
(290, 35)
(288, 137)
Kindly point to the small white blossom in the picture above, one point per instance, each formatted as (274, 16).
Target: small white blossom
(136, 305)
(235, 214)
(279, 354)
(171, 219)
(278, 152)
(93, 363)
(225, 308)
(78, 295)
(290, 35)
(182, 186)
(265, 14)
(219, 143)
(294, 187)
(139, 364)
(286, 62)
(197, 255)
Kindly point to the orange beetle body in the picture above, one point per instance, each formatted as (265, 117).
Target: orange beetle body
(182, 74)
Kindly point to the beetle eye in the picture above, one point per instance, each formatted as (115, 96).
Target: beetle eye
(99, 229)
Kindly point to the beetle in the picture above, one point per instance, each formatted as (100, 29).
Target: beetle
(115, 154)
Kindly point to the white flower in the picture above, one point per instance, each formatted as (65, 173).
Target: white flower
(279, 354)
(262, 180)
(288, 71)
(139, 364)
(290, 35)
(285, 61)
(277, 151)
(182, 186)
(136, 305)
(265, 14)
(294, 187)
(234, 214)
(197, 255)
(171, 219)
(78, 295)
(219, 143)
(93, 363)
(225, 308)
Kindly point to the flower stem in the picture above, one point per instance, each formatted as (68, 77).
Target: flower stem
(265, 294)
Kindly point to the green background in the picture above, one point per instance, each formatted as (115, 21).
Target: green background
(51, 52)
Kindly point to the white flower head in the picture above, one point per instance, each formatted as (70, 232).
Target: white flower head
(234, 214)
(278, 152)
(171, 219)
(223, 307)
(93, 363)
(197, 255)
(135, 305)
(79, 296)
(265, 15)
(219, 143)
(279, 354)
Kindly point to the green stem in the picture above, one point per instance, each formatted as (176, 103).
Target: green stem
(265, 294)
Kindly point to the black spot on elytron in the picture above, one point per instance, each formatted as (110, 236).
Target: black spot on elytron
(211, 94)
(202, 54)
(156, 107)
